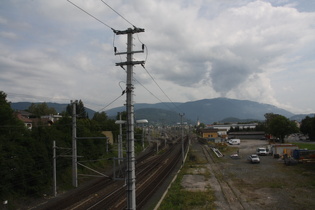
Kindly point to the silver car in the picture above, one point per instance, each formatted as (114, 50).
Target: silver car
(253, 158)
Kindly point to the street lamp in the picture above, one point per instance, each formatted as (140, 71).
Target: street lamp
(182, 135)
(120, 153)
(120, 123)
(143, 121)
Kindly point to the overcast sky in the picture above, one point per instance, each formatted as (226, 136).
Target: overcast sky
(262, 51)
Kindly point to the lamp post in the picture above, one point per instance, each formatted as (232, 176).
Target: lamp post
(143, 121)
(182, 135)
(120, 150)
(121, 122)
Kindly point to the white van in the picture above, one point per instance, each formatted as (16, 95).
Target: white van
(261, 151)
(234, 141)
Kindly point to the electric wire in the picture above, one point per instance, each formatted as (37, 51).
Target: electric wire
(146, 49)
(112, 101)
(91, 15)
(152, 94)
(161, 89)
(86, 161)
(118, 14)
(134, 78)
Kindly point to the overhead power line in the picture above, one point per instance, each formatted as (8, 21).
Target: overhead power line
(152, 93)
(161, 88)
(118, 14)
(112, 101)
(91, 15)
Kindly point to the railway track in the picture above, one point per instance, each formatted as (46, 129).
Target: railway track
(225, 194)
(105, 193)
(150, 174)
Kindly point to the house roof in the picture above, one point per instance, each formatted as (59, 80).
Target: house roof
(211, 130)
(23, 118)
(248, 133)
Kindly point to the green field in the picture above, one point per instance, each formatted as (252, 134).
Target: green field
(305, 146)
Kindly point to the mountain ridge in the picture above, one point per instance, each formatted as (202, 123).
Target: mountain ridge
(205, 110)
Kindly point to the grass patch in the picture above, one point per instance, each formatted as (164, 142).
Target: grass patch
(195, 159)
(305, 145)
(276, 184)
(178, 198)
(273, 183)
(181, 199)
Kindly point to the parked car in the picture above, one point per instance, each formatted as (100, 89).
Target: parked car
(234, 141)
(262, 151)
(253, 158)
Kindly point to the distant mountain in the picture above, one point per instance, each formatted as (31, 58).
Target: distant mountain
(300, 117)
(158, 116)
(58, 107)
(237, 120)
(213, 110)
(206, 111)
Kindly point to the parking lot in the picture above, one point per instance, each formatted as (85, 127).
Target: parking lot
(270, 184)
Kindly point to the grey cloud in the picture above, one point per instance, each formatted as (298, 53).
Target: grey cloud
(226, 75)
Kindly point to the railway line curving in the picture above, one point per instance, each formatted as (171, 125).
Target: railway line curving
(151, 170)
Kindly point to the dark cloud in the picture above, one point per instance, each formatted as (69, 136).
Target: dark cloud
(226, 75)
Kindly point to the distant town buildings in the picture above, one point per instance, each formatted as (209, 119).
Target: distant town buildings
(246, 131)
(30, 121)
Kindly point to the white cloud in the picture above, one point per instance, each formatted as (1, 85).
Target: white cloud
(196, 49)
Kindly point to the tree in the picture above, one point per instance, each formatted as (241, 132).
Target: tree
(100, 117)
(260, 127)
(26, 155)
(41, 109)
(308, 127)
(6, 112)
(104, 123)
(23, 160)
(80, 110)
(200, 127)
(9, 124)
(280, 126)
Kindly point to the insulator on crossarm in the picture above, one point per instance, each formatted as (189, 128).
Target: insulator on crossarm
(142, 46)
(115, 49)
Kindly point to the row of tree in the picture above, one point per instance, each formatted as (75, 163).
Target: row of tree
(26, 155)
(279, 126)
(308, 127)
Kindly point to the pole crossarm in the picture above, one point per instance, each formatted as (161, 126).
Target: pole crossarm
(130, 63)
(65, 148)
(91, 137)
(129, 31)
(121, 53)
